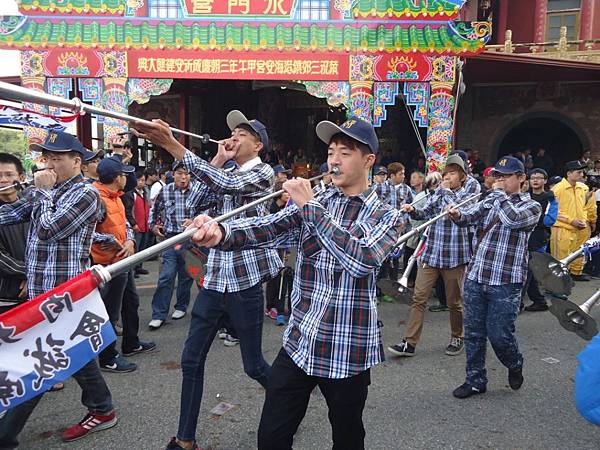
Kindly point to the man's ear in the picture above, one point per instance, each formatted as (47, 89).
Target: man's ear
(370, 160)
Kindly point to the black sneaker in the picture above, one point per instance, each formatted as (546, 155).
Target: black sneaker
(515, 378)
(119, 365)
(173, 445)
(466, 390)
(455, 346)
(142, 271)
(144, 347)
(402, 349)
(582, 277)
(537, 307)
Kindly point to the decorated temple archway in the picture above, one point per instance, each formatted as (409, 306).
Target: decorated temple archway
(360, 53)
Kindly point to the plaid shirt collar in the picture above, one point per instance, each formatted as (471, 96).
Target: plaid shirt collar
(248, 165)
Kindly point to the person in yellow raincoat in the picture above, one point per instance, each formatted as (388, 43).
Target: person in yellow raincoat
(575, 213)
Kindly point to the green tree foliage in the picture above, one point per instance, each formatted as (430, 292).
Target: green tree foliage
(13, 141)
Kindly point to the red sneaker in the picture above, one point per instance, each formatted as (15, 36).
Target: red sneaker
(90, 423)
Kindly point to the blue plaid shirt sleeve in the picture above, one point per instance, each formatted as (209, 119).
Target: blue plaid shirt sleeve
(201, 198)
(257, 180)
(61, 220)
(279, 230)
(16, 212)
(358, 256)
(517, 217)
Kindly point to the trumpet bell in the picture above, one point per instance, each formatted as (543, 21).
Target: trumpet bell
(551, 273)
(573, 318)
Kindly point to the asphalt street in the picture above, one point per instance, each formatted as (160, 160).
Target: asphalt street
(410, 403)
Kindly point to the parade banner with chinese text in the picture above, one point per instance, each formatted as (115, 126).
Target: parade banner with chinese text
(235, 65)
(48, 339)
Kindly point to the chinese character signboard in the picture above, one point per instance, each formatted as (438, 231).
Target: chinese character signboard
(281, 8)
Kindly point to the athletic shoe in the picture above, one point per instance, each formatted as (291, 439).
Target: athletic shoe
(89, 424)
(537, 307)
(119, 365)
(402, 349)
(386, 298)
(582, 277)
(173, 445)
(271, 313)
(230, 341)
(144, 347)
(142, 271)
(455, 346)
(280, 321)
(155, 324)
(222, 333)
(466, 390)
(178, 315)
(515, 378)
(438, 308)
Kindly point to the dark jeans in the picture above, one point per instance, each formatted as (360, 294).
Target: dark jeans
(279, 289)
(288, 393)
(408, 252)
(130, 316)
(142, 242)
(532, 288)
(490, 313)
(112, 296)
(94, 395)
(173, 266)
(245, 309)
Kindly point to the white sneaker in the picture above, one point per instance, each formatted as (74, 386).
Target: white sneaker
(155, 324)
(222, 334)
(230, 341)
(178, 314)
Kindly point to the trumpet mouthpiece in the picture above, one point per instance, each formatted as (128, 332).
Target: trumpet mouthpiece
(335, 170)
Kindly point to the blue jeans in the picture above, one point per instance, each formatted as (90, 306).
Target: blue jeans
(490, 312)
(173, 266)
(94, 395)
(245, 309)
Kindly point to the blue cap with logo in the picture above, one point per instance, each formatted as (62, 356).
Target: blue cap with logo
(509, 165)
(380, 170)
(354, 127)
(113, 166)
(236, 118)
(61, 142)
(324, 168)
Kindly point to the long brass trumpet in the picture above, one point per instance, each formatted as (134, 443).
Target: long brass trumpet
(17, 93)
(105, 274)
(576, 318)
(406, 236)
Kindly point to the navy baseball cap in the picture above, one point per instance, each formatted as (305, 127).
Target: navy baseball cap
(235, 118)
(113, 166)
(538, 170)
(61, 142)
(324, 168)
(380, 170)
(509, 165)
(354, 127)
(177, 165)
(575, 165)
(280, 169)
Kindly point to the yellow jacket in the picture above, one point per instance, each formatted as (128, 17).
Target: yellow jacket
(590, 207)
(571, 203)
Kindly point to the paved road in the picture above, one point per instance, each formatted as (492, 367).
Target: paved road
(410, 405)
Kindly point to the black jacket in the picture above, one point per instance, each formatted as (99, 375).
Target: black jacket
(13, 239)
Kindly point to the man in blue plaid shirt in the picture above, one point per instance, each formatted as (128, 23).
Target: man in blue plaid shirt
(233, 281)
(496, 273)
(447, 251)
(332, 340)
(167, 218)
(63, 211)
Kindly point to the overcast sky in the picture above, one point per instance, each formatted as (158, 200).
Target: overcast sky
(10, 58)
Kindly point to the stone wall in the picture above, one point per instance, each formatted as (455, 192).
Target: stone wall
(488, 112)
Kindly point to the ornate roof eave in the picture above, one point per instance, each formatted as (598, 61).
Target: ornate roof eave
(435, 37)
(361, 9)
